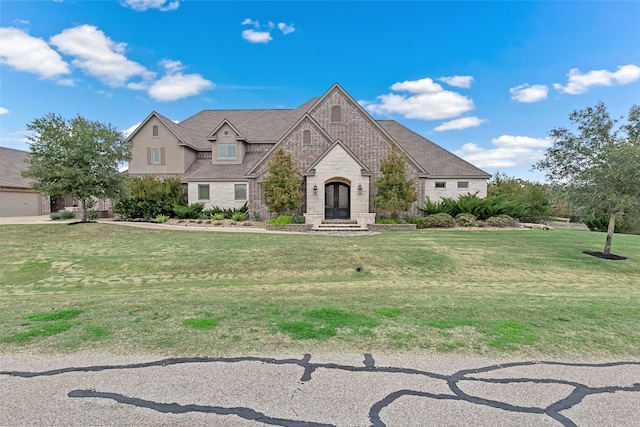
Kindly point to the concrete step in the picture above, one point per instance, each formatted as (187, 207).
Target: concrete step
(339, 227)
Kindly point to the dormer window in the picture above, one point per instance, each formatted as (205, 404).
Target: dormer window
(155, 131)
(336, 114)
(227, 151)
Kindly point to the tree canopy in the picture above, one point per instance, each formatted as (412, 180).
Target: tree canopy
(281, 188)
(396, 192)
(78, 157)
(597, 164)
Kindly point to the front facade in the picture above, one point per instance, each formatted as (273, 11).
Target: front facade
(221, 156)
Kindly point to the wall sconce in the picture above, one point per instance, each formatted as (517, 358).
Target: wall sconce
(359, 188)
(315, 190)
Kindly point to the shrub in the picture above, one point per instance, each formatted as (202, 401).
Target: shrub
(480, 208)
(223, 213)
(439, 220)
(192, 211)
(419, 221)
(160, 219)
(388, 221)
(298, 219)
(92, 214)
(64, 214)
(150, 197)
(466, 220)
(281, 220)
(239, 217)
(501, 221)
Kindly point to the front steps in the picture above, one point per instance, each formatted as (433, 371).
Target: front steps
(341, 225)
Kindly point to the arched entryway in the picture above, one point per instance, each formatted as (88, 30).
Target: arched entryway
(337, 201)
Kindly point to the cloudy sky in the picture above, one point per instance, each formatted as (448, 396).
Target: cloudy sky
(486, 80)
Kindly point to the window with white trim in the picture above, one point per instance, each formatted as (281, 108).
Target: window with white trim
(240, 192)
(156, 156)
(227, 151)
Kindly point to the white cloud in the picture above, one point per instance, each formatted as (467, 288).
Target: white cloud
(528, 94)
(253, 36)
(286, 29)
(176, 85)
(142, 5)
(458, 81)
(250, 21)
(579, 83)
(26, 53)
(99, 56)
(509, 151)
(128, 131)
(461, 123)
(427, 101)
(263, 36)
(3, 111)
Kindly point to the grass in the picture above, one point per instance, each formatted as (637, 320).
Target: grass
(109, 288)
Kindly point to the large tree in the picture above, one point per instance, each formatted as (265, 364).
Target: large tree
(598, 165)
(396, 192)
(77, 157)
(282, 186)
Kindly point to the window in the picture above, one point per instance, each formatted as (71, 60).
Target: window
(306, 136)
(241, 191)
(156, 157)
(441, 184)
(227, 151)
(155, 131)
(463, 184)
(203, 192)
(336, 114)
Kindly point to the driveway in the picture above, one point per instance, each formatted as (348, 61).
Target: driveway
(316, 390)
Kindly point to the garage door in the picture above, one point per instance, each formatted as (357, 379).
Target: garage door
(16, 203)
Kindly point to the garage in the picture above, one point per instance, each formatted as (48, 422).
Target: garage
(16, 198)
(19, 203)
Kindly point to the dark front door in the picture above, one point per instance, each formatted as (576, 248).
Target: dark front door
(337, 201)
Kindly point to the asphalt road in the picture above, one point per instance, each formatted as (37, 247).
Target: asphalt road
(318, 390)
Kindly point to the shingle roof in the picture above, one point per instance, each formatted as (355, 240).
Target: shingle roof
(12, 162)
(435, 160)
(257, 126)
(204, 170)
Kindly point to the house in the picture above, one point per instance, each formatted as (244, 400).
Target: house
(18, 199)
(16, 196)
(221, 157)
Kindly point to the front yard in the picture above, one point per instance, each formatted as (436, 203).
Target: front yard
(115, 289)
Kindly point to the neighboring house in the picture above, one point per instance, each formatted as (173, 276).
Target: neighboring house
(221, 157)
(16, 196)
(18, 199)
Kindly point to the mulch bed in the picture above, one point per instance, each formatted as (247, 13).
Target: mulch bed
(605, 256)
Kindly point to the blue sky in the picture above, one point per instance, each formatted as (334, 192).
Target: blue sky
(485, 80)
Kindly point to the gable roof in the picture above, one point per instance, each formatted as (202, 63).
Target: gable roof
(175, 128)
(12, 162)
(311, 169)
(257, 126)
(436, 161)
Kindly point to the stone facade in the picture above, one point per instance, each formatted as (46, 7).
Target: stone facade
(335, 144)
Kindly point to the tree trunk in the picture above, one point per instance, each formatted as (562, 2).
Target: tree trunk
(84, 210)
(610, 229)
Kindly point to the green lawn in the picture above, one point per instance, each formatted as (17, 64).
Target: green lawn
(117, 289)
